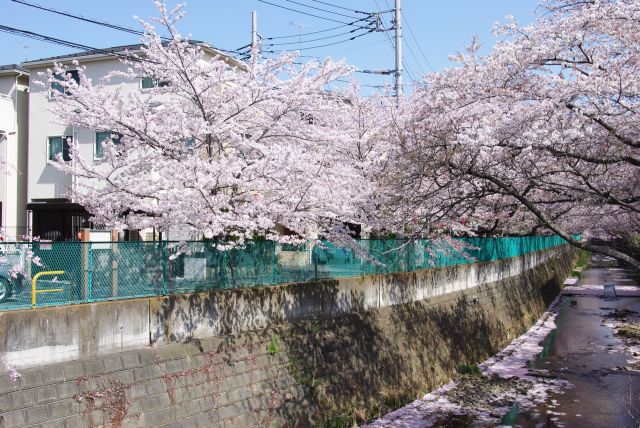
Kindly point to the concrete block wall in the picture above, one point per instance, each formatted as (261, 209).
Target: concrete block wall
(197, 385)
(349, 366)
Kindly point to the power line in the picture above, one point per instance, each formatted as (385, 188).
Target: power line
(339, 7)
(361, 84)
(310, 14)
(321, 9)
(314, 40)
(413, 55)
(415, 59)
(393, 47)
(409, 71)
(44, 38)
(386, 34)
(330, 44)
(406, 21)
(357, 47)
(81, 18)
(345, 81)
(95, 21)
(314, 32)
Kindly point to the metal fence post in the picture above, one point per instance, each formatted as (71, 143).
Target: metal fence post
(223, 268)
(163, 245)
(90, 272)
(274, 263)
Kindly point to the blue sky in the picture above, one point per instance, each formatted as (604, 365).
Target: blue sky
(440, 27)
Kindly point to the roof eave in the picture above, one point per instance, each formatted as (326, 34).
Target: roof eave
(69, 59)
(14, 71)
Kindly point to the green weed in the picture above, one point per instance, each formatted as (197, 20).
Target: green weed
(470, 369)
(273, 347)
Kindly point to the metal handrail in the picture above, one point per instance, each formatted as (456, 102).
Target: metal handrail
(34, 291)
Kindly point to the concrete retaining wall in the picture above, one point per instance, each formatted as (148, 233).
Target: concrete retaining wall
(359, 356)
(66, 333)
(181, 318)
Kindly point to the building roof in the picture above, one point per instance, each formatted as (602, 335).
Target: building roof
(91, 52)
(103, 53)
(13, 69)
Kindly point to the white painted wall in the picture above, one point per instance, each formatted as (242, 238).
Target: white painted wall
(13, 144)
(45, 181)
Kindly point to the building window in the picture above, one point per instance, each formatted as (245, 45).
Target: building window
(152, 82)
(58, 87)
(103, 137)
(59, 144)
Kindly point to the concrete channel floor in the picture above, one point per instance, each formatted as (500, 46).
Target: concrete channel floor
(585, 351)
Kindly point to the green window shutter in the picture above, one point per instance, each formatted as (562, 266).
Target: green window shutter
(55, 147)
(57, 87)
(101, 137)
(147, 82)
(66, 148)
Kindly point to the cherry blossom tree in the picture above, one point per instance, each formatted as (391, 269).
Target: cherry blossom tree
(541, 133)
(231, 149)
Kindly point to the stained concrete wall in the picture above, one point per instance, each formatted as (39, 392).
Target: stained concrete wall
(181, 318)
(330, 371)
(66, 333)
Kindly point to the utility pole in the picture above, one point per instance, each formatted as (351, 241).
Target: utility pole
(254, 35)
(398, 27)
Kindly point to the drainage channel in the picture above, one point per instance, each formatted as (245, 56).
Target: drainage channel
(584, 370)
(584, 351)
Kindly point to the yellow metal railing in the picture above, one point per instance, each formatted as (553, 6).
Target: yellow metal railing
(35, 291)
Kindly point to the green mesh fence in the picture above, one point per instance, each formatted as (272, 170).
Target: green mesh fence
(121, 270)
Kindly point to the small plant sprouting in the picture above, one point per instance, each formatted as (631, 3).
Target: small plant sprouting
(274, 346)
(470, 369)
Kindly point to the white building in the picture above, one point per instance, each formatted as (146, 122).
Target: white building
(51, 214)
(14, 104)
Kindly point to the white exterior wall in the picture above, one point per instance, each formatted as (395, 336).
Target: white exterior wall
(45, 181)
(13, 142)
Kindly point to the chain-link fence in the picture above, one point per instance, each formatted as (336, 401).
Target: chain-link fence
(95, 271)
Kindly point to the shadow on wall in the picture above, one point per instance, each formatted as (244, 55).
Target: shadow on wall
(359, 366)
(363, 364)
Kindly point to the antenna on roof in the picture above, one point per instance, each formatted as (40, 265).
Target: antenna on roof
(299, 26)
(23, 49)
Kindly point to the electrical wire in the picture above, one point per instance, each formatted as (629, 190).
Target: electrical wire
(416, 41)
(345, 81)
(82, 18)
(330, 44)
(413, 55)
(314, 32)
(361, 84)
(391, 44)
(339, 7)
(310, 14)
(321, 9)
(404, 63)
(357, 47)
(95, 21)
(313, 40)
(415, 59)
(44, 38)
